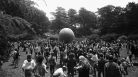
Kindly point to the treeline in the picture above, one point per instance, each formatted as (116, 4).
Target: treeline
(107, 20)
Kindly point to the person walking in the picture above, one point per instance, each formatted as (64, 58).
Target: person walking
(17, 58)
(40, 68)
(28, 66)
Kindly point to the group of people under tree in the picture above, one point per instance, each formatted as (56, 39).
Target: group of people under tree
(85, 58)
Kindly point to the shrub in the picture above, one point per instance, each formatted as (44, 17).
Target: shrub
(94, 37)
(109, 37)
(133, 37)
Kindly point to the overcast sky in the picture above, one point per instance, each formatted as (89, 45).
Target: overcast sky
(91, 5)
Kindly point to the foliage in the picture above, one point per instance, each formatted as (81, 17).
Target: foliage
(25, 9)
(109, 37)
(118, 20)
(122, 37)
(14, 27)
(107, 20)
(133, 37)
(94, 37)
(61, 19)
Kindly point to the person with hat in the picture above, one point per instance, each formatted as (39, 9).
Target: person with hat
(111, 69)
(28, 66)
(60, 72)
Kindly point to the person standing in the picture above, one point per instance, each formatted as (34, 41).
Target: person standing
(95, 60)
(71, 63)
(111, 69)
(101, 64)
(28, 66)
(52, 63)
(13, 55)
(83, 67)
(40, 68)
(17, 58)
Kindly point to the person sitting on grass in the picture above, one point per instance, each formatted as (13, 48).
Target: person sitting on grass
(40, 68)
(60, 72)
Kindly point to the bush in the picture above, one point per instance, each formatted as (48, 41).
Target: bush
(94, 37)
(5, 49)
(53, 38)
(109, 37)
(133, 37)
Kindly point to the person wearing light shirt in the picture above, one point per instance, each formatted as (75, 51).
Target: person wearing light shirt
(28, 66)
(60, 72)
(95, 60)
(94, 57)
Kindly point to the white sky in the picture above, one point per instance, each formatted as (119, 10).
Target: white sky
(90, 5)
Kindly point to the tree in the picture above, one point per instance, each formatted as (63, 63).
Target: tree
(72, 14)
(25, 9)
(88, 19)
(131, 14)
(61, 19)
(111, 19)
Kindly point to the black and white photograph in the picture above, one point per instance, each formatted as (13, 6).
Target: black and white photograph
(68, 38)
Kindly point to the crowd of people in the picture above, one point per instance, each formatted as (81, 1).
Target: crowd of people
(85, 58)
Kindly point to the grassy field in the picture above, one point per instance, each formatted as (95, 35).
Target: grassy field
(8, 69)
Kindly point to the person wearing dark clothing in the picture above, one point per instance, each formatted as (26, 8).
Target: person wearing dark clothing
(83, 67)
(71, 63)
(101, 64)
(55, 52)
(52, 63)
(111, 69)
(17, 59)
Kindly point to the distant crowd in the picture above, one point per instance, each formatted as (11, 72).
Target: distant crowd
(81, 58)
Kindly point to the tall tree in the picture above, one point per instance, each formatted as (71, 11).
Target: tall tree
(61, 19)
(72, 14)
(87, 18)
(26, 10)
(110, 19)
(131, 14)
